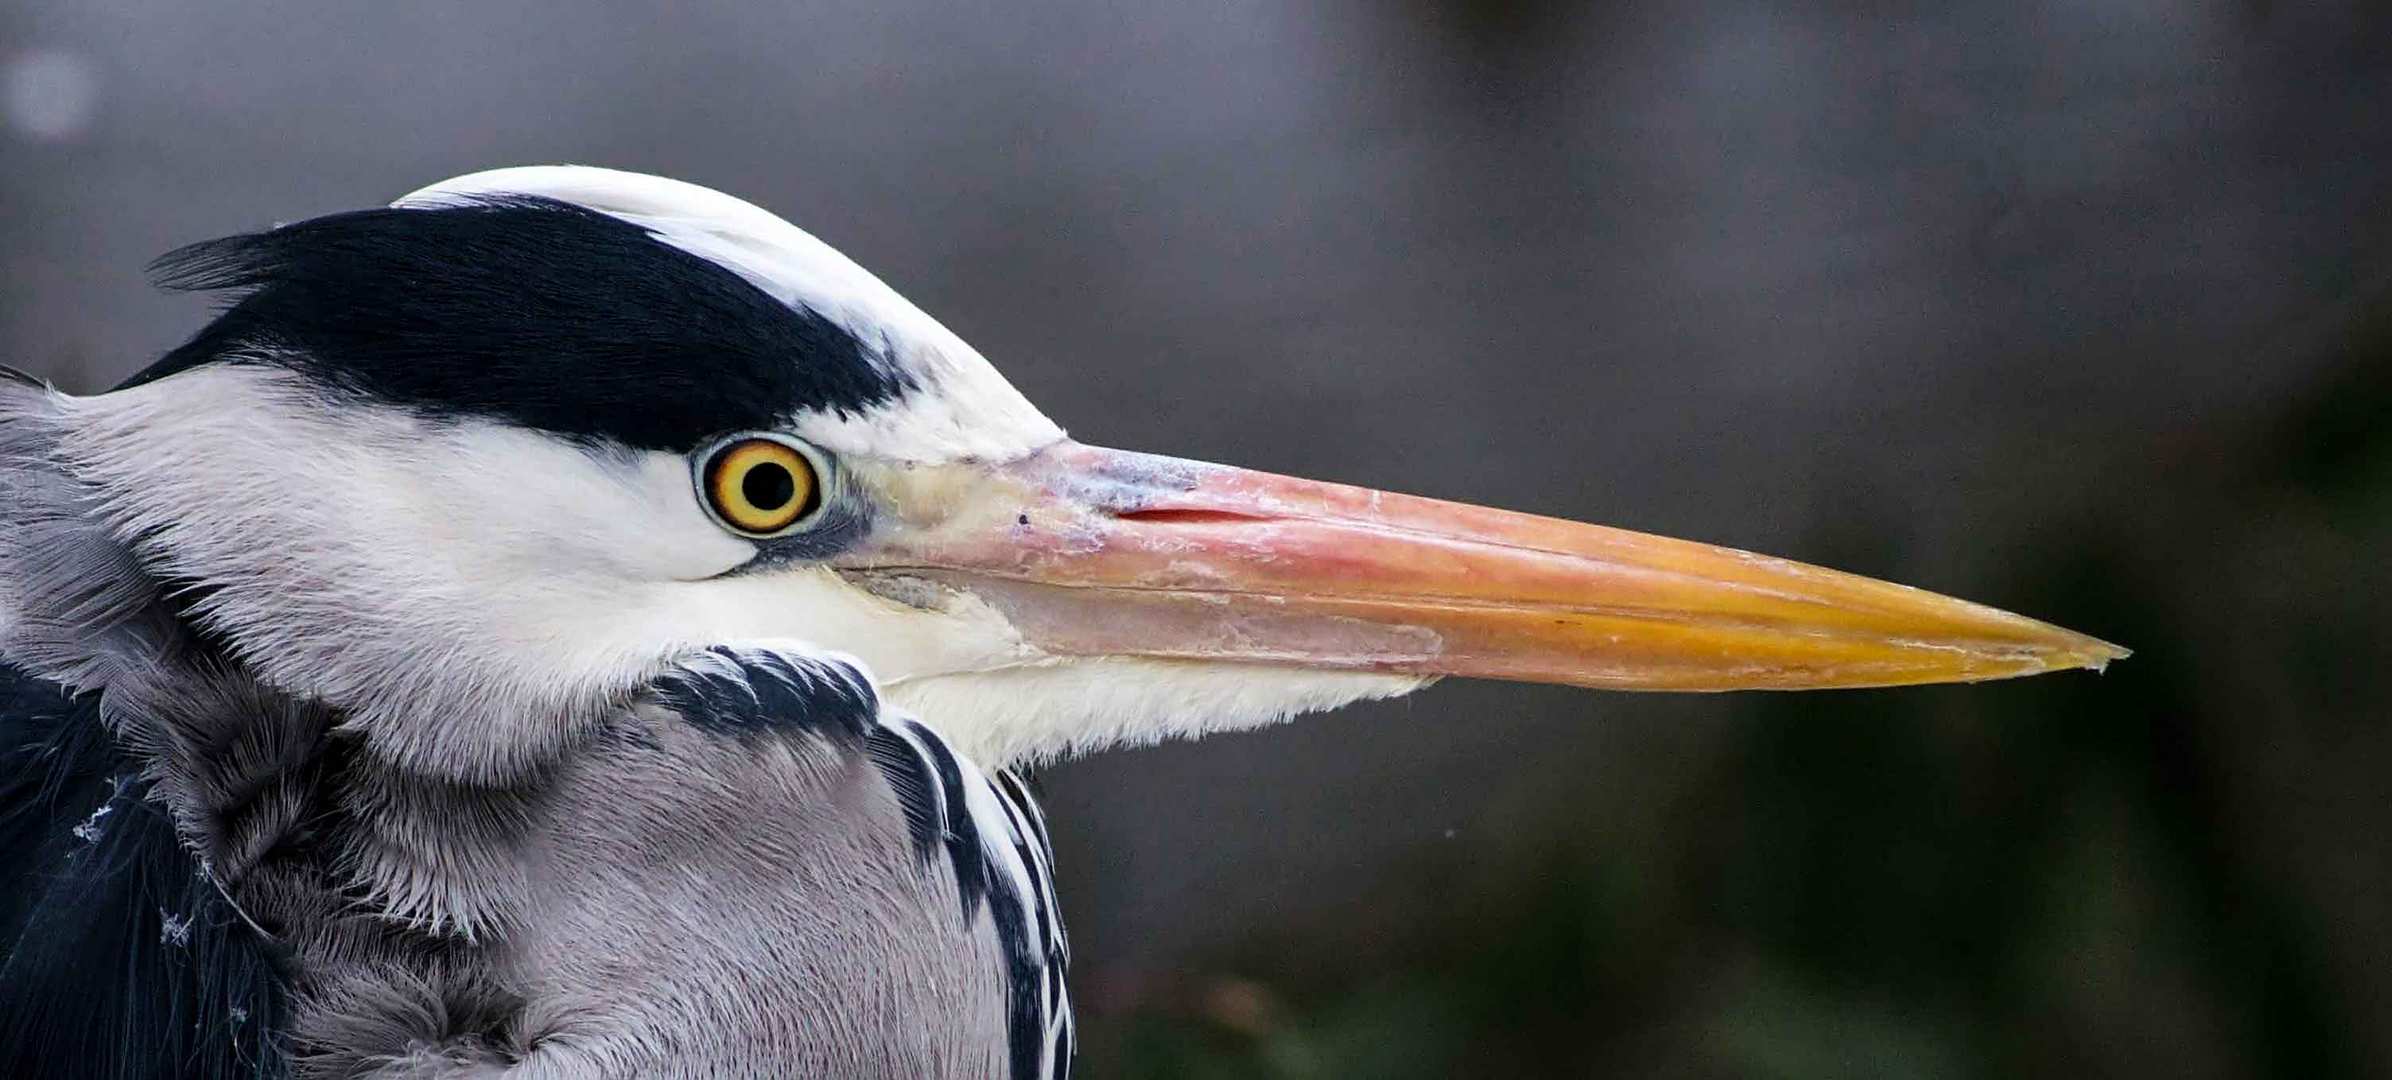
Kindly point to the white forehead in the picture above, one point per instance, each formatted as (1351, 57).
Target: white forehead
(960, 407)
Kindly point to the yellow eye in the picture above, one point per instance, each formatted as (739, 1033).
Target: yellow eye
(761, 486)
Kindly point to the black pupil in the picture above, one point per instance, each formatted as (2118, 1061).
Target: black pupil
(768, 486)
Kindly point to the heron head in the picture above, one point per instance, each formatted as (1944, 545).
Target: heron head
(472, 466)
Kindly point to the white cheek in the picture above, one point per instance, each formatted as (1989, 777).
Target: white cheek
(1064, 706)
(501, 505)
(653, 529)
(493, 578)
(813, 604)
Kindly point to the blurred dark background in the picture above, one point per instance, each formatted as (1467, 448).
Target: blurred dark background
(2080, 309)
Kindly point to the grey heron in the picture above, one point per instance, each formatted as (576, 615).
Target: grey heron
(576, 623)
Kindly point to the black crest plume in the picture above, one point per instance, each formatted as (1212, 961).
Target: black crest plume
(532, 311)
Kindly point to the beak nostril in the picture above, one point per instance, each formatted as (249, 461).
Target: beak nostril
(1187, 516)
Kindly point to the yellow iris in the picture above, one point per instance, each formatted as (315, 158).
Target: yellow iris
(760, 486)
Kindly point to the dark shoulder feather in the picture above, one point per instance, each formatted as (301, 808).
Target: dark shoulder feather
(119, 959)
(988, 827)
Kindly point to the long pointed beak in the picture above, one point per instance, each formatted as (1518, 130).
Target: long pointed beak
(1094, 552)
